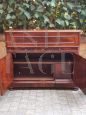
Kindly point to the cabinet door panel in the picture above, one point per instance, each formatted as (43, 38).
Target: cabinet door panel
(6, 73)
(80, 72)
(0, 81)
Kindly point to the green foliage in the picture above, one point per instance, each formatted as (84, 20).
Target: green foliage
(45, 14)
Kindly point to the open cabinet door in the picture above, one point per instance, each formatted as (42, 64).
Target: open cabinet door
(0, 80)
(6, 73)
(80, 72)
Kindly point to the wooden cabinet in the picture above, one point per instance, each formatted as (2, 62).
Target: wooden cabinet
(6, 73)
(43, 59)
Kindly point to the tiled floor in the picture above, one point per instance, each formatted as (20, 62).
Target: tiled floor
(43, 102)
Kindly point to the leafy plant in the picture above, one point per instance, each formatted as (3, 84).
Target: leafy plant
(45, 14)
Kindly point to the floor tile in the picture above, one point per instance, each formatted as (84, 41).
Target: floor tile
(43, 102)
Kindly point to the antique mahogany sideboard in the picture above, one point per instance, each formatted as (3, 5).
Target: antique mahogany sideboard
(42, 59)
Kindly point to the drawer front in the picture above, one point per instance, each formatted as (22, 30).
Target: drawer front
(69, 39)
(42, 39)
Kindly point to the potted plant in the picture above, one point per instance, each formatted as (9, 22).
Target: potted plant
(48, 14)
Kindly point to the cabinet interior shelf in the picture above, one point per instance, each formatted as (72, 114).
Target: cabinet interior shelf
(43, 62)
(36, 78)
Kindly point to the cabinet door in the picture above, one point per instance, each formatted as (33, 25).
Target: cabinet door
(6, 75)
(80, 72)
(0, 81)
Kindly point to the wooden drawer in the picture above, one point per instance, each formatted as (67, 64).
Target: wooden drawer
(42, 38)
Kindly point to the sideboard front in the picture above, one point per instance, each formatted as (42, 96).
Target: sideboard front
(44, 59)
